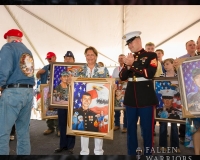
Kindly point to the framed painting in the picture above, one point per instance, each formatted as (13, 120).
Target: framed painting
(46, 111)
(59, 78)
(119, 94)
(169, 108)
(189, 78)
(91, 107)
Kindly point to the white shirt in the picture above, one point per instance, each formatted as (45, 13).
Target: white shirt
(116, 72)
(89, 73)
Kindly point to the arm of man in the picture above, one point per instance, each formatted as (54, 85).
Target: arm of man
(178, 62)
(148, 70)
(128, 62)
(41, 71)
(6, 64)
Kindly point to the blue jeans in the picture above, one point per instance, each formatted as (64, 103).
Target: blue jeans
(117, 119)
(15, 108)
(174, 139)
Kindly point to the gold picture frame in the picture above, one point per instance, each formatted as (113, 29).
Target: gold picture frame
(120, 92)
(46, 111)
(96, 96)
(169, 108)
(57, 68)
(188, 71)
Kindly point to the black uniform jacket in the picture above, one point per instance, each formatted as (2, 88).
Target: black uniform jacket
(89, 119)
(142, 93)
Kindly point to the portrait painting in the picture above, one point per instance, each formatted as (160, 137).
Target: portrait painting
(47, 111)
(90, 111)
(169, 108)
(59, 80)
(189, 77)
(119, 94)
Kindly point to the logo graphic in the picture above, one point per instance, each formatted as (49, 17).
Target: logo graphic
(27, 64)
(139, 153)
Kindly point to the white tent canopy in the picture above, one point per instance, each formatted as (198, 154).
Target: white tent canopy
(62, 28)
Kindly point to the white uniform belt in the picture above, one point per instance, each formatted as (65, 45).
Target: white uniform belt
(138, 79)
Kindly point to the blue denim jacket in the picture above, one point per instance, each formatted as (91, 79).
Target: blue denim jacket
(44, 76)
(16, 64)
(99, 72)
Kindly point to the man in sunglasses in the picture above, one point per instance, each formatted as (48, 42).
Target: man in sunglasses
(44, 75)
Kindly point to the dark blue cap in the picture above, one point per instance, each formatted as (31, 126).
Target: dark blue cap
(69, 54)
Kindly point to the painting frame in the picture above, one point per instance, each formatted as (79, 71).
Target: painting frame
(189, 68)
(121, 85)
(44, 90)
(109, 115)
(56, 69)
(170, 109)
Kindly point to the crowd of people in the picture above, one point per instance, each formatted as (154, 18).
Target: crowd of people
(139, 98)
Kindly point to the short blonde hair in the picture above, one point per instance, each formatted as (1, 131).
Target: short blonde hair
(149, 44)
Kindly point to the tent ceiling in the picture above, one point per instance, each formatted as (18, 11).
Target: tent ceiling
(61, 28)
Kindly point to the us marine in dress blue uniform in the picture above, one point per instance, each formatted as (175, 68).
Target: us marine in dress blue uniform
(140, 97)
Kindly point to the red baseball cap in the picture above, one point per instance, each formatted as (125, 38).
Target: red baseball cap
(13, 32)
(50, 54)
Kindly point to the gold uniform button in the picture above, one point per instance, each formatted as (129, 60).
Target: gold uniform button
(147, 85)
(136, 68)
(132, 66)
(138, 52)
(136, 56)
(140, 70)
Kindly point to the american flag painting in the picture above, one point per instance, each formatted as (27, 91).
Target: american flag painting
(187, 69)
(162, 85)
(99, 93)
(59, 69)
(165, 88)
(57, 72)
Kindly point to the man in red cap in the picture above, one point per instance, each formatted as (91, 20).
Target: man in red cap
(16, 85)
(44, 75)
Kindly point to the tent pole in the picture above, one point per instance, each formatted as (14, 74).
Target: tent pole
(184, 29)
(52, 26)
(25, 35)
(123, 27)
